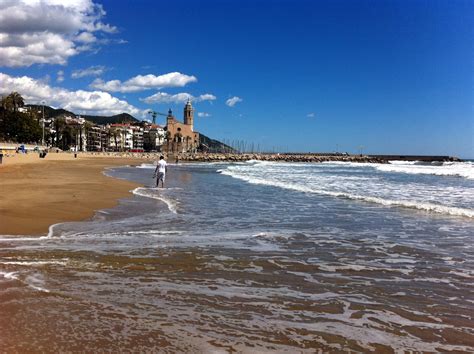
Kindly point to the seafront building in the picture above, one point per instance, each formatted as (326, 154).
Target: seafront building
(181, 137)
(153, 137)
(142, 136)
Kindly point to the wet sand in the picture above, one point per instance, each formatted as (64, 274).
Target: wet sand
(36, 193)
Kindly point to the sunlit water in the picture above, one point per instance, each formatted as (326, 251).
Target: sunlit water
(254, 257)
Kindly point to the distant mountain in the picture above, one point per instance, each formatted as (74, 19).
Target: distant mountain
(212, 145)
(50, 112)
(118, 118)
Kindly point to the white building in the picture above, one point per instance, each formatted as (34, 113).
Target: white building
(153, 137)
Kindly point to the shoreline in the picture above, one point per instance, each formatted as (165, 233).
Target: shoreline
(37, 193)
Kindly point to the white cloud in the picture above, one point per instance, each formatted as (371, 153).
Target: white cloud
(86, 37)
(311, 115)
(207, 97)
(60, 77)
(144, 82)
(96, 70)
(203, 114)
(80, 101)
(163, 97)
(231, 102)
(47, 31)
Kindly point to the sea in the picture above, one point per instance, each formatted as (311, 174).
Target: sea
(254, 257)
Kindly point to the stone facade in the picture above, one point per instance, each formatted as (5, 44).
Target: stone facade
(180, 136)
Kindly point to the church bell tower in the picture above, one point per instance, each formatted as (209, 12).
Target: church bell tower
(188, 114)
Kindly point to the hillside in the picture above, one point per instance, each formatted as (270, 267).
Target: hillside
(118, 118)
(50, 112)
(212, 145)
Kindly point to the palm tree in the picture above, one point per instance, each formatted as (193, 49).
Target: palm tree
(168, 139)
(7, 103)
(115, 135)
(108, 135)
(16, 100)
(87, 127)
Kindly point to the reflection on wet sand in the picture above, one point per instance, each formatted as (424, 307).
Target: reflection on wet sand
(217, 265)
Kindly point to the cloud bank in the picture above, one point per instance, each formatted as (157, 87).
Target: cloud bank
(48, 31)
(144, 82)
(80, 101)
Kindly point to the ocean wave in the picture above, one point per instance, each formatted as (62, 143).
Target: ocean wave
(459, 169)
(152, 193)
(429, 207)
(402, 162)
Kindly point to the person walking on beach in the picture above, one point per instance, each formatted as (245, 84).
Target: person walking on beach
(160, 172)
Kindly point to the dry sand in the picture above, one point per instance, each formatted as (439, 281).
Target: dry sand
(36, 193)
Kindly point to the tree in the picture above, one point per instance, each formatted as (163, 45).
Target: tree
(7, 104)
(19, 127)
(17, 100)
(13, 124)
(64, 134)
(115, 134)
(12, 102)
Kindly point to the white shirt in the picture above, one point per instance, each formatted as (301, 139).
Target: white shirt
(162, 166)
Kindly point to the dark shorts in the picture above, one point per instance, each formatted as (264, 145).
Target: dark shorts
(161, 177)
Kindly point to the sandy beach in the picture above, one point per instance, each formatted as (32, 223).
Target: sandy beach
(36, 193)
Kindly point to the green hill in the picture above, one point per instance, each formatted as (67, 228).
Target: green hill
(212, 145)
(118, 118)
(50, 112)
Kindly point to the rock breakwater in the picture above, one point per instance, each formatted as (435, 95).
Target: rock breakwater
(212, 157)
(221, 157)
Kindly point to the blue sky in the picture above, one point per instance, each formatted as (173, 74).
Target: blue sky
(391, 76)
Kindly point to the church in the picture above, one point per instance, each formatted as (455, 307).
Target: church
(181, 137)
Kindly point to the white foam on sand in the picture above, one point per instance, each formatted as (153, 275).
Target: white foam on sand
(154, 193)
(34, 281)
(147, 166)
(9, 275)
(50, 231)
(33, 263)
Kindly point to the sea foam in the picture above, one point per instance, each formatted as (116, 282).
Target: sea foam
(311, 182)
(458, 169)
(154, 194)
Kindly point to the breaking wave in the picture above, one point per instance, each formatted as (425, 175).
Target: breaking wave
(382, 193)
(459, 169)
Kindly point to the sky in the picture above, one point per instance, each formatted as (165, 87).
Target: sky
(381, 77)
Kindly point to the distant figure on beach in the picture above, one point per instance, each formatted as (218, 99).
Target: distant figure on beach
(160, 172)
